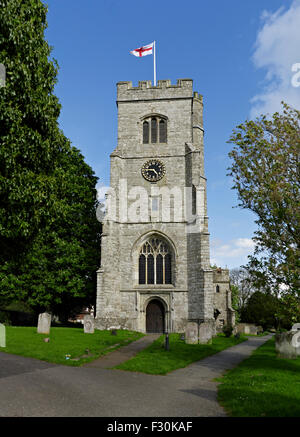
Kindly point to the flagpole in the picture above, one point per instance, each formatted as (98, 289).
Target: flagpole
(154, 63)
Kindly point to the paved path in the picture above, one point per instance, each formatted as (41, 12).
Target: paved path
(31, 387)
(123, 354)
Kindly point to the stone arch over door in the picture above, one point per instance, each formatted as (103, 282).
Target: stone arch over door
(155, 316)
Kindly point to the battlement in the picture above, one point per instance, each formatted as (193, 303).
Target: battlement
(220, 275)
(163, 90)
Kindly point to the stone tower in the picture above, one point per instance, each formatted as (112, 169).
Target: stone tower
(155, 272)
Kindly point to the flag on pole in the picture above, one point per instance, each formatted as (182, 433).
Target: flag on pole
(149, 49)
(143, 51)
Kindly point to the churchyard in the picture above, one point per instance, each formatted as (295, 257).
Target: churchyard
(158, 361)
(74, 347)
(263, 385)
(67, 346)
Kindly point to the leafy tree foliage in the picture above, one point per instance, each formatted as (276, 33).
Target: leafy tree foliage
(49, 234)
(261, 309)
(29, 136)
(269, 311)
(235, 301)
(266, 173)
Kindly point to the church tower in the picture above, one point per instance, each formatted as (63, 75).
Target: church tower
(155, 272)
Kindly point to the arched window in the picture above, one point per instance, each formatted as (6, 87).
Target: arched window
(162, 131)
(145, 132)
(155, 262)
(154, 130)
(194, 200)
(217, 289)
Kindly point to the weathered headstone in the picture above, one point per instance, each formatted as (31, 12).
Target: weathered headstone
(2, 335)
(88, 324)
(191, 333)
(44, 323)
(206, 332)
(287, 344)
(296, 342)
(296, 327)
(247, 328)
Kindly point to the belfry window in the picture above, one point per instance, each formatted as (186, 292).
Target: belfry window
(154, 130)
(145, 132)
(162, 131)
(155, 262)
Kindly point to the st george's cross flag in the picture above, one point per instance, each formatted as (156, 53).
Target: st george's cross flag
(143, 51)
(149, 49)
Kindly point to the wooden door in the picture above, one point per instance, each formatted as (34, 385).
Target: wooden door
(155, 316)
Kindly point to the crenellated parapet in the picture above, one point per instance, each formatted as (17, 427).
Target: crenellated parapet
(163, 90)
(220, 275)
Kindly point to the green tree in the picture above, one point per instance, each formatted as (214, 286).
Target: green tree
(235, 292)
(57, 272)
(261, 309)
(29, 136)
(266, 174)
(49, 234)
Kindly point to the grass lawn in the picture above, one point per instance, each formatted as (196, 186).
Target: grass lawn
(157, 361)
(27, 342)
(262, 385)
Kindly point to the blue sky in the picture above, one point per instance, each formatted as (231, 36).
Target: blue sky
(239, 54)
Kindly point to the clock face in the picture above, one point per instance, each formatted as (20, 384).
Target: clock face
(153, 170)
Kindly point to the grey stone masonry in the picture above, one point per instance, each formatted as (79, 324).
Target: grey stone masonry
(179, 222)
(222, 299)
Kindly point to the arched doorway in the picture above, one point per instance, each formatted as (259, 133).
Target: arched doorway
(155, 316)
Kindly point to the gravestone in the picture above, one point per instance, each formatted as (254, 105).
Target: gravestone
(206, 332)
(296, 327)
(88, 324)
(44, 323)
(191, 333)
(287, 344)
(2, 335)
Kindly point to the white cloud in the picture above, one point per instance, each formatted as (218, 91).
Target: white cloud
(232, 253)
(101, 191)
(277, 49)
(246, 243)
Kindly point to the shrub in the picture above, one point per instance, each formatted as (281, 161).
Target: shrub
(227, 330)
(4, 318)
